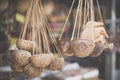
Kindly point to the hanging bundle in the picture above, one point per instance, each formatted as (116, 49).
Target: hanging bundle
(89, 37)
(36, 45)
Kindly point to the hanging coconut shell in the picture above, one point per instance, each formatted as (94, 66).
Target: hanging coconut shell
(69, 52)
(65, 48)
(41, 60)
(27, 45)
(64, 45)
(89, 30)
(56, 64)
(16, 68)
(82, 48)
(99, 48)
(31, 71)
(20, 57)
(9, 55)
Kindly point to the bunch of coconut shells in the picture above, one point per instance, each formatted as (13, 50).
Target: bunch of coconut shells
(36, 45)
(89, 37)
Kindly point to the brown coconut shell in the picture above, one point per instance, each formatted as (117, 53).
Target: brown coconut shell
(56, 64)
(99, 48)
(16, 68)
(69, 52)
(27, 45)
(31, 71)
(82, 48)
(64, 45)
(65, 48)
(89, 32)
(20, 57)
(41, 60)
(9, 55)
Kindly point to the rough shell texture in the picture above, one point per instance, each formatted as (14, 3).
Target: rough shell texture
(64, 45)
(20, 57)
(27, 45)
(41, 60)
(82, 48)
(69, 52)
(9, 55)
(32, 71)
(99, 48)
(16, 68)
(56, 64)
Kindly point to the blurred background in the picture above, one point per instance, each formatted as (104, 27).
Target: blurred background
(104, 67)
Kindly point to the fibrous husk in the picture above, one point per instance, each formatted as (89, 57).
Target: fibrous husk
(27, 45)
(20, 57)
(16, 68)
(65, 48)
(31, 71)
(64, 45)
(99, 48)
(41, 60)
(82, 48)
(56, 64)
(89, 32)
(69, 52)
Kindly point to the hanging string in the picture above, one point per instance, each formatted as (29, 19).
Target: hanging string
(99, 11)
(22, 34)
(67, 19)
(92, 11)
(80, 20)
(73, 33)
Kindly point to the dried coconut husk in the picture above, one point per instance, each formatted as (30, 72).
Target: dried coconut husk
(31, 71)
(41, 60)
(99, 48)
(27, 45)
(56, 64)
(82, 48)
(65, 48)
(16, 68)
(20, 57)
(9, 55)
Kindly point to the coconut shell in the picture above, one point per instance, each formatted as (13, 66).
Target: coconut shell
(31, 71)
(16, 68)
(9, 55)
(89, 30)
(27, 45)
(69, 52)
(64, 45)
(56, 64)
(41, 60)
(82, 48)
(20, 57)
(99, 48)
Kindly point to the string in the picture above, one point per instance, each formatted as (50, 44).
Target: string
(80, 19)
(67, 19)
(73, 33)
(99, 11)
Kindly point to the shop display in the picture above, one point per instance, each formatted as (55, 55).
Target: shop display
(36, 45)
(89, 37)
